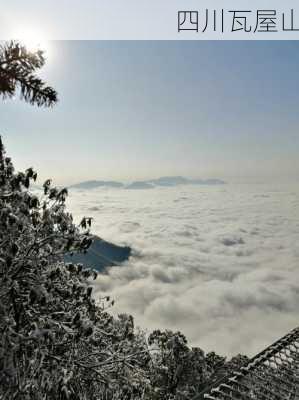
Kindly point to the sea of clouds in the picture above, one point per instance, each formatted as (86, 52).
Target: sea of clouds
(218, 263)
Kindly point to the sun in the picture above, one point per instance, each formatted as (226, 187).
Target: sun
(33, 45)
(33, 41)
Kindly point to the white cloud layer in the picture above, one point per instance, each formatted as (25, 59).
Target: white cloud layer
(219, 264)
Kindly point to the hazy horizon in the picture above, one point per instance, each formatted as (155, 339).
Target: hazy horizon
(253, 181)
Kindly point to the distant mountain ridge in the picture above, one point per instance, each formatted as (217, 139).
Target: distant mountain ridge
(180, 180)
(95, 184)
(166, 181)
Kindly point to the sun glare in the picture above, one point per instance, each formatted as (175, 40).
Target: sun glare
(33, 41)
(33, 45)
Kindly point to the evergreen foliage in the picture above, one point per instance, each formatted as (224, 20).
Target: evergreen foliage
(17, 71)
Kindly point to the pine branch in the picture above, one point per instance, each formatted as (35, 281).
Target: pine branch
(17, 67)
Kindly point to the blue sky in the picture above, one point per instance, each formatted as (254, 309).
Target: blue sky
(135, 110)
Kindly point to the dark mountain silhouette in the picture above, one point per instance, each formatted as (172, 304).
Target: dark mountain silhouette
(101, 255)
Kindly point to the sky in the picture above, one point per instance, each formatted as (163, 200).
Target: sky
(134, 19)
(133, 110)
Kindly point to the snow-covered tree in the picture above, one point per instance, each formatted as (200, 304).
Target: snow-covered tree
(57, 342)
(177, 371)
